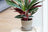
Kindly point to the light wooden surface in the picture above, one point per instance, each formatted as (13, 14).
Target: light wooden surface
(8, 22)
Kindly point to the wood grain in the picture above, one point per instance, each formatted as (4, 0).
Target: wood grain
(8, 22)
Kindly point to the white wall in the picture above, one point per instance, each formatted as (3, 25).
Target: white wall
(45, 4)
(38, 19)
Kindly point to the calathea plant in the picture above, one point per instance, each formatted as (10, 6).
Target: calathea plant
(26, 8)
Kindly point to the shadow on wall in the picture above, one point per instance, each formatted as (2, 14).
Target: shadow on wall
(3, 5)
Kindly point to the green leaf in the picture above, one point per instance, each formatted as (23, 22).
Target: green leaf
(18, 16)
(34, 10)
(12, 3)
(23, 7)
(26, 3)
(18, 2)
(36, 3)
(33, 1)
(30, 16)
(25, 16)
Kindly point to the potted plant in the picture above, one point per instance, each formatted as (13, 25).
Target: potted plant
(26, 8)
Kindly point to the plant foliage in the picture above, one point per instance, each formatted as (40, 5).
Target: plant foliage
(26, 8)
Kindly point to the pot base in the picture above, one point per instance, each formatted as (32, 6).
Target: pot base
(26, 29)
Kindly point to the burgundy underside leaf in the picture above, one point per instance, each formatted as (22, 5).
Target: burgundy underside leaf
(12, 1)
(19, 10)
(29, 1)
(36, 3)
(37, 6)
(26, 19)
(34, 6)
